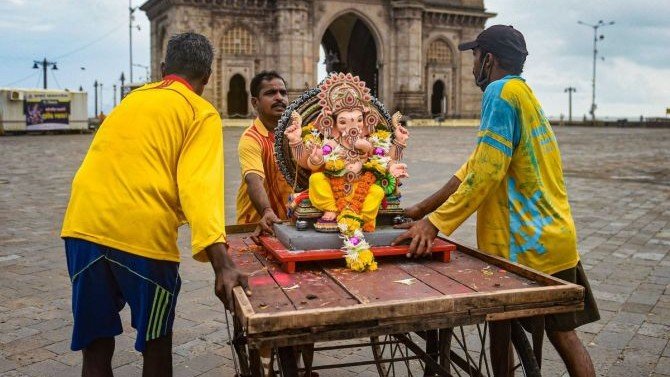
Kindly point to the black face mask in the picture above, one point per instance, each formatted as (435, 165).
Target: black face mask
(483, 78)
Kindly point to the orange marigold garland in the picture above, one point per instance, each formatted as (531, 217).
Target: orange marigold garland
(358, 255)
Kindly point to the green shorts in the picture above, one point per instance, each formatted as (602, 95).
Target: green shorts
(572, 320)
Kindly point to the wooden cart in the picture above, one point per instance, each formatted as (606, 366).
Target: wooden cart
(410, 305)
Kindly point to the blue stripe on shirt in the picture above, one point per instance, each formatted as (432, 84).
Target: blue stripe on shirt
(487, 139)
(499, 117)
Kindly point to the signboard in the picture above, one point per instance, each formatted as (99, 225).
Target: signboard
(47, 111)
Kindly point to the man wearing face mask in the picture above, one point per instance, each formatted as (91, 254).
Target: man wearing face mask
(514, 180)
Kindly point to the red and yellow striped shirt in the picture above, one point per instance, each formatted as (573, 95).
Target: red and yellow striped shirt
(256, 153)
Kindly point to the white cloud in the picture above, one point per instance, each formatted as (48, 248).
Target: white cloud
(633, 78)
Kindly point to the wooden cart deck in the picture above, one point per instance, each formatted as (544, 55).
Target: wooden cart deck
(325, 301)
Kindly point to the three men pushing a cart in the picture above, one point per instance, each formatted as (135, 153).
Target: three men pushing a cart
(157, 163)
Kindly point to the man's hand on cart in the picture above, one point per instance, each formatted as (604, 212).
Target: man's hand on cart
(226, 274)
(422, 233)
(265, 225)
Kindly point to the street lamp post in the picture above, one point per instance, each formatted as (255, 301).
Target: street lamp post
(95, 86)
(146, 69)
(45, 64)
(81, 69)
(570, 90)
(131, 18)
(123, 80)
(114, 86)
(596, 38)
(101, 103)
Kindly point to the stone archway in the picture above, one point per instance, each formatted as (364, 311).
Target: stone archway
(237, 97)
(441, 76)
(350, 47)
(437, 100)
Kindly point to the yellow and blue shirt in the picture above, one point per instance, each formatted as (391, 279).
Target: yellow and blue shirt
(154, 164)
(514, 180)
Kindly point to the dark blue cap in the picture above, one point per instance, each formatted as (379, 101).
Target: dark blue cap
(503, 41)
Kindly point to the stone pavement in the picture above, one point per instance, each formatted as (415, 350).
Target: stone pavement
(619, 186)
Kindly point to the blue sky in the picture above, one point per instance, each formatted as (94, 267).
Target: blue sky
(75, 33)
(633, 80)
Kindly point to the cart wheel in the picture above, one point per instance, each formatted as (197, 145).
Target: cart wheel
(469, 351)
(393, 358)
(245, 357)
(524, 351)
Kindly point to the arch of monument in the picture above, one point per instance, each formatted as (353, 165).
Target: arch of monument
(400, 48)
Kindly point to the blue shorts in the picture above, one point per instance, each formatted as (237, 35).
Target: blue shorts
(104, 279)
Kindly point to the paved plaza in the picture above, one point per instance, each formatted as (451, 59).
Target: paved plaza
(618, 180)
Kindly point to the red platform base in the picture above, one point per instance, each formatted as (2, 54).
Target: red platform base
(288, 259)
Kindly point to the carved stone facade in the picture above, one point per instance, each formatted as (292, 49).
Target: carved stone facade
(405, 50)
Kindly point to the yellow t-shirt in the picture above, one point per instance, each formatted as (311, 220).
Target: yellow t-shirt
(256, 153)
(154, 164)
(514, 180)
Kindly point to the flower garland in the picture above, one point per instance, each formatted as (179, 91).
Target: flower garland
(378, 163)
(357, 251)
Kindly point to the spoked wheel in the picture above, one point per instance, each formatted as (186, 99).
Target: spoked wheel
(464, 351)
(394, 358)
(469, 354)
(458, 351)
(429, 353)
(527, 362)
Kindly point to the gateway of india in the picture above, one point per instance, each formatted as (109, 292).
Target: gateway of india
(406, 51)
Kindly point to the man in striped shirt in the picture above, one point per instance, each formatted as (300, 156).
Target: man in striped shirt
(263, 194)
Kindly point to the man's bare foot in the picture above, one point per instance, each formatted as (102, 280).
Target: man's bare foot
(329, 216)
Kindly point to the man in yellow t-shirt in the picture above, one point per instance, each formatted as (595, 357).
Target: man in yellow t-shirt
(154, 164)
(514, 180)
(263, 193)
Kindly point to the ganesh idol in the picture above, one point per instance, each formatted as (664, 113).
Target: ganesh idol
(352, 156)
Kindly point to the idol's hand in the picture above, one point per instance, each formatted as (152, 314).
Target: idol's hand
(401, 134)
(315, 153)
(398, 170)
(294, 131)
(363, 145)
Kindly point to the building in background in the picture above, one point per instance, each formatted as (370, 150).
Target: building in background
(406, 51)
(26, 110)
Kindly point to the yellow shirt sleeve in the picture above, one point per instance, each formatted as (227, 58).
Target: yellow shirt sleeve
(200, 183)
(251, 157)
(485, 169)
(463, 170)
